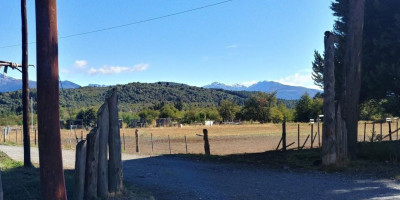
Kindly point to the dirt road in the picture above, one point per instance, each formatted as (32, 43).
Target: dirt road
(174, 177)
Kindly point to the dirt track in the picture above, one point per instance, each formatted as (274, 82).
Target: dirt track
(174, 177)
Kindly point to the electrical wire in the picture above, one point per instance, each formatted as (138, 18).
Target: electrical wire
(132, 23)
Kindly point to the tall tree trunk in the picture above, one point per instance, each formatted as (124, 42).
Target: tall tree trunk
(328, 131)
(50, 157)
(349, 101)
(25, 86)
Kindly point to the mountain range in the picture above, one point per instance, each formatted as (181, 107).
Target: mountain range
(283, 91)
(288, 92)
(8, 84)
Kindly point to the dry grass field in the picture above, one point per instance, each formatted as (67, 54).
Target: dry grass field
(224, 139)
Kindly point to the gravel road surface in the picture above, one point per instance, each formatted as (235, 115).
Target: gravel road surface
(174, 177)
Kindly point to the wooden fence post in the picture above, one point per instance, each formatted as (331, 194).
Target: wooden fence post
(123, 139)
(80, 166)
(312, 138)
(206, 143)
(92, 162)
(115, 183)
(103, 123)
(186, 145)
(4, 136)
(169, 145)
(16, 136)
(81, 135)
(137, 140)
(152, 145)
(298, 136)
(390, 131)
(319, 139)
(365, 129)
(373, 132)
(284, 136)
(381, 131)
(397, 129)
(35, 137)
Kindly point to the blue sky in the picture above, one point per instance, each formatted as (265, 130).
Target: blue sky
(240, 41)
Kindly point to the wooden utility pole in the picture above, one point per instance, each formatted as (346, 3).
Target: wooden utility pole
(50, 157)
(25, 87)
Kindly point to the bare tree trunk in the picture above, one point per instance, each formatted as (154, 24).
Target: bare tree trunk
(349, 101)
(114, 143)
(25, 86)
(50, 157)
(328, 131)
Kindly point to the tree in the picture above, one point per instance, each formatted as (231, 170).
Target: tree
(304, 110)
(228, 110)
(169, 111)
(318, 69)
(87, 116)
(258, 107)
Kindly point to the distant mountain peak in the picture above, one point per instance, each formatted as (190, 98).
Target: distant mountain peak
(8, 84)
(283, 91)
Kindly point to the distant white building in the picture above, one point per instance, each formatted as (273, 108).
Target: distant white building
(208, 123)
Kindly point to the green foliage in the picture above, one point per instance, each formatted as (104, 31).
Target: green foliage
(88, 116)
(149, 114)
(169, 111)
(318, 69)
(308, 108)
(258, 107)
(372, 110)
(228, 110)
(127, 117)
(281, 113)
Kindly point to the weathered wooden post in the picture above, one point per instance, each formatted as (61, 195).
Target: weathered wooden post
(137, 140)
(312, 135)
(284, 136)
(103, 123)
(186, 145)
(390, 131)
(123, 139)
(298, 136)
(206, 143)
(35, 137)
(373, 132)
(4, 136)
(365, 129)
(381, 133)
(81, 135)
(80, 167)
(92, 163)
(319, 140)
(152, 145)
(114, 142)
(16, 136)
(329, 153)
(169, 145)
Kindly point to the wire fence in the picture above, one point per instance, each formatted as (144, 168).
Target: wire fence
(223, 139)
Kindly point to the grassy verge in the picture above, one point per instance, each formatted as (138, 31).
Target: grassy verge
(24, 183)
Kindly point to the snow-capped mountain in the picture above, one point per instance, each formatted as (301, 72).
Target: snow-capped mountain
(283, 91)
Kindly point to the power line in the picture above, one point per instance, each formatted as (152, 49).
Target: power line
(132, 23)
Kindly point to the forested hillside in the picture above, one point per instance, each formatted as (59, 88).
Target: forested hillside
(134, 96)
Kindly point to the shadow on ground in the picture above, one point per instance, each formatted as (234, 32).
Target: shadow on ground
(269, 175)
